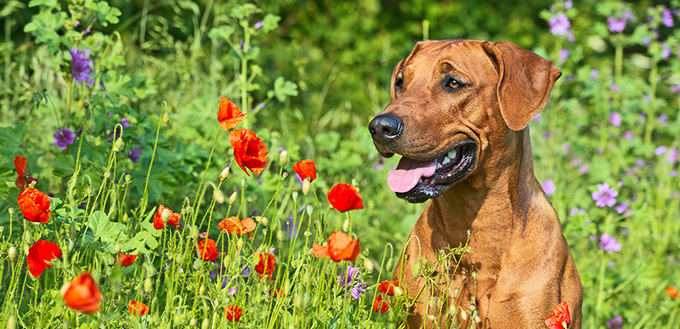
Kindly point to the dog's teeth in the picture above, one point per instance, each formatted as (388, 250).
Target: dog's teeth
(452, 153)
(446, 160)
(439, 165)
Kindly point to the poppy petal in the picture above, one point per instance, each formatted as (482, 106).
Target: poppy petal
(229, 115)
(344, 197)
(20, 164)
(305, 168)
(249, 150)
(320, 251)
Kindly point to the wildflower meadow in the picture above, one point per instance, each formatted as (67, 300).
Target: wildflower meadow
(200, 163)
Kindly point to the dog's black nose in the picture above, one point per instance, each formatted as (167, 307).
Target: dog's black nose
(385, 127)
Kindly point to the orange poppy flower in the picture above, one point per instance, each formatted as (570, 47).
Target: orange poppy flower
(387, 287)
(672, 292)
(380, 305)
(23, 180)
(249, 150)
(207, 250)
(232, 312)
(41, 252)
(173, 218)
(559, 318)
(305, 168)
(229, 114)
(138, 308)
(125, 260)
(266, 264)
(340, 247)
(345, 197)
(240, 227)
(35, 205)
(82, 294)
(278, 292)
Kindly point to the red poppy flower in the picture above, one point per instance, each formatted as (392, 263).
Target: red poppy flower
(340, 247)
(138, 308)
(240, 227)
(266, 264)
(173, 218)
(207, 250)
(672, 292)
(380, 305)
(82, 294)
(249, 150)
(232, 312)
(39, 254)
(560, 318)
(229, 114)
(125, 260)
(345, 197)
(278, 292)
(387, 287)
(35, 205)
(305, 168)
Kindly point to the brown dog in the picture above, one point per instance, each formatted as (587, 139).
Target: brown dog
(459, 116)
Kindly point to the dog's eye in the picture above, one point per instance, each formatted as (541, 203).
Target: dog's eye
(452, 83)
(398, 84)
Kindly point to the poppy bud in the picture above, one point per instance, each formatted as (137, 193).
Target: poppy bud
(165, 119)
(477, 319)
(232, 198)
(205, 324)
(283, 158)
(116, 248)
(201, 290)
(432, 303)
(474, 275)
(192, 322)
(107, 175)
(125, 218)
(224, 174)
(279, 235)
(310, 210)
(218, 196)
(264, 221)
(165, 215)
(284, 175)
(305, 186)
(239, 245)
(294, 195)
(345, 225)
(243, 182)
(148, 285)
(194, 232)
(415, 269)
(368, 265)
(473, 306)
(307, 234)
(12, 252)
(89, 191)
(431, 317)
(452, 309)
(10, 210)
(388, 266)
(398, 291)
(128, 178)
(464, 315)
(86, 103)
(118, 145)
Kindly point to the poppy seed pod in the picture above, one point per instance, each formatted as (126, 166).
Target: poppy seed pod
(205, 324)
(218, 196)
(117, 248)
(306, 185)
(118, 145)
(12, 253)
(463, 315)
(345, 225)
(201, 290)
(239, 245)
(148, 285)
(165, 215)
(165, 119)
(398, 291)
(232, 198)
(192, 322)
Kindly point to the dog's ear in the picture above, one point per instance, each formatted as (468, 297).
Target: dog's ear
(524, 81)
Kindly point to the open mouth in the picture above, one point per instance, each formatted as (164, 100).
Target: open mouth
(416, 181)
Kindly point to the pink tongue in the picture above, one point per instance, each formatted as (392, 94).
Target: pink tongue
(408, 172)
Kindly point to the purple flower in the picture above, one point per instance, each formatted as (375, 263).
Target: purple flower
(87, 31)
(352, 282)
(297, 177)
(605, 196)
(675, 89)
(594, 73)
(660, 150)
(291, 226)
(259, 24)
(615, 323)
(609, 244)
(616, 24)
(134, 154)
(81, 66)
(615, 119)
(576, 211)
(667, 17)
(63, 137)
(672, 156)
(621, 207)
(666, 52)
(615, 87)
(559, 24)
(628, 15)
(548, 187)
(568, 4)
(662, 118)
(125, 123)
(646, 40)
(564, 54)
(537, 117)
(673, 173)
(583, 169)
(627, 135)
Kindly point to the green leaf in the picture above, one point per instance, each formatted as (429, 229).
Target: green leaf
(105, 13)
(283, 89)
(109, 233)
(45, 3)
(270, 22)
(223, 32)
(44, 27)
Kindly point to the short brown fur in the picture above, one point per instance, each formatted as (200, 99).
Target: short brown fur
(522, 262)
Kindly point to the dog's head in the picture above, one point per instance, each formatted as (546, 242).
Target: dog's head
(451, 101)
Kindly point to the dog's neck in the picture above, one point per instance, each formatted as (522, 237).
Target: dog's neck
(493, 202)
